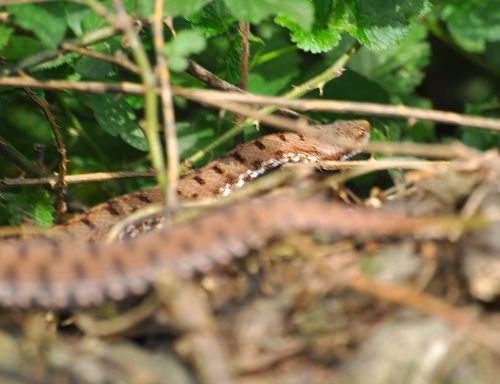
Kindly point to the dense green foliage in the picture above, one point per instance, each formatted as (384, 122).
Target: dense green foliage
(291, 41)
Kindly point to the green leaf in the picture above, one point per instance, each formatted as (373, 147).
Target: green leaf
(74, 16)
(116, 117)
(356, 87)
(398, 69)
(212, 20)
(92, 21)
(182, 46)
(183, 7)
(68, 58)
(5, 33)
(29, 120)
(33, 204)
(482, 138)
(331, 20)
(191, 136)
(232, 60)
(47, 21)
(384, 23)
(91, 68)
(19, 47)
(136, 139)
(473, 23)
(421, 130)
(267, 76)
(296, 11)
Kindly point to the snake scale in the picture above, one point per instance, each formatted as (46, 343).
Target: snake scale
(246, 162)
(53, 273)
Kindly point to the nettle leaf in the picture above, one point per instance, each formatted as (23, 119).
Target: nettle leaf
(398, 69)
(183, 7)
(473, 23)
(68, 58)
(5, 33)
(33, 204)
(47, 21)
(300, 12)
(116, 117)
(384, 23)
(212, 20)
(233, 60)
(331, 20)
(181, 47)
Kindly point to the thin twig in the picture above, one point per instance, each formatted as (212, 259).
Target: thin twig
(361, 108)
(80, 86)
(331, 165)
(244, 29)
(75, 179)
(214, 81)
(118, 60)
(437, 151)
(276, 121)
(168, 109)
(377, 164)
(61, 150)
(209, 78)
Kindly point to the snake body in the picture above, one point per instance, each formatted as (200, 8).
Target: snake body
(50, 273)
(53, 274)
(246, 162)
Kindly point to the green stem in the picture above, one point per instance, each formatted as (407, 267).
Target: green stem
(122, 21)
(10, 152)
(273, 55)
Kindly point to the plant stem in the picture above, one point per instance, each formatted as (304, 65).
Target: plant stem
(122, 22)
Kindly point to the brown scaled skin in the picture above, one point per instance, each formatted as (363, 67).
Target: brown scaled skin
(52, 274)
(49, 274)
(208, 181)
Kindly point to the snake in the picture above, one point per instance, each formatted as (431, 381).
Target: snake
(58, 272)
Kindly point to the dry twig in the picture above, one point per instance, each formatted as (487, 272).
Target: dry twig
(361, 108)
(244, 29)
(75, 179)
(61, 150)
(168, 108)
